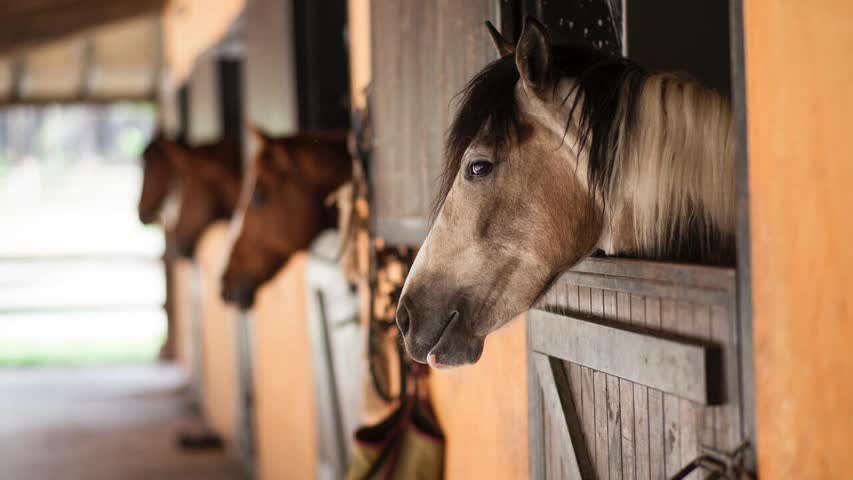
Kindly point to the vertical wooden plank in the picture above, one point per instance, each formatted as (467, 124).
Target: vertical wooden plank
(726, 415)
(626, 399)
(560, 302)
(536, 420)
(671, 432)
(588, 388)
(602, 452)
(705, 415)
(641, 396)
(574, 298)
(548, 442)
(596, 301)
(614, 427)
(603, 419)
(576, 376)
(603, 305)
(655, 403)
(588, 419)
(610, 305)
(584, 300)
(687, 409)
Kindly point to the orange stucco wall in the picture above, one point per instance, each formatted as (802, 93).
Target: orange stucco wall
(799, 68)
(483, 410)
(220, 385)
(285, 405)
(182, 274)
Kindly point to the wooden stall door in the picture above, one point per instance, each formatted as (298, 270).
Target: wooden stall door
(219, 350)
(423, 53)
(633, 370)
(285, 399)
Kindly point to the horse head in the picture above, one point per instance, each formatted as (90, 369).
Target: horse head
(210, 177)
(554, 152)
(282, 207)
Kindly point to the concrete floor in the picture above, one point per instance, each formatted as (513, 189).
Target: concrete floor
(100, 423)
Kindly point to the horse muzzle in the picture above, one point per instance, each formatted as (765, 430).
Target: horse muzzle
(239, 293)
(438, 336)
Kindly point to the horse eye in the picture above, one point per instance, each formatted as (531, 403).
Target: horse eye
(479, 168)
(259, 198)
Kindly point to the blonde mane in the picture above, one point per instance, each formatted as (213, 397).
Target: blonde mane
(674, 170)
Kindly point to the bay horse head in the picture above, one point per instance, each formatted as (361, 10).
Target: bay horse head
(556, 152)
(158, 179)
(283, 207)
(209, 176)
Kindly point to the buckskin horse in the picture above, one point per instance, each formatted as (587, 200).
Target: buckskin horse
(283, 207)
(556, 152)
(209, 178)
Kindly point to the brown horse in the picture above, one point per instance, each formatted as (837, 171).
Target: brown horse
(158, 180)
(556, 152)
(209, 178)
(283, 207)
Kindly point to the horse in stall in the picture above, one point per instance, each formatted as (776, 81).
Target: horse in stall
(158, 178)
(209, 178)
(283, 207)
(557, 152)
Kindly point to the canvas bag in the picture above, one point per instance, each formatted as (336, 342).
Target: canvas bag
(408, 444)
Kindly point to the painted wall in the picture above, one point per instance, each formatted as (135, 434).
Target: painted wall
(183, 271)
(483, 410)
(285, 405)
(270, 96)
(220, 385)
(799, 66)
(205, 104)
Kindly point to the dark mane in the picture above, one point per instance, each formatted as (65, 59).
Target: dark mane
(226, 152)
(606, 87)
(335, 140)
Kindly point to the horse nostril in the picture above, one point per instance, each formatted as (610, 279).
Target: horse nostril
(185, 249)
(403, 318)
(225, 293)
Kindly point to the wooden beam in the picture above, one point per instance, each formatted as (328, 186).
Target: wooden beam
(81, 100)
(641, 286)
(721, 278)
(36, 22)
(86, 67)
(270, 69)
(682, 367)
(746, 353)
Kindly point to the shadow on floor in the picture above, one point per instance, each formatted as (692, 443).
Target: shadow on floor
(101, 423)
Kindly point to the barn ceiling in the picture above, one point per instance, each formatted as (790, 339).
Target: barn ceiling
(104, 50)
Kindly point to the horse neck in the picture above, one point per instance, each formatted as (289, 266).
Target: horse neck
(674, 181)
(228, 154)
(331, 164)
(230, 186)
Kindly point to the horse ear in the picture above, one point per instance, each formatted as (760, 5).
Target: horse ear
(176, 153)
(258, 133)
(503, 46)
(533, 57)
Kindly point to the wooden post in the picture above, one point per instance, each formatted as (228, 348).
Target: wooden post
(205, 120)
(799, 62)
(270, 75)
